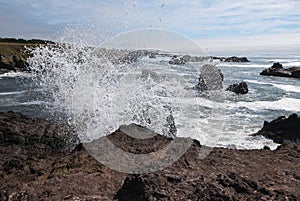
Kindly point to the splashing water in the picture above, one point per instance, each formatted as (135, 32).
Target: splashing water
(101, 88)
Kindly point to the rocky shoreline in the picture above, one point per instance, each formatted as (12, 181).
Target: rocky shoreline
(282, 130)
(39, 162)
(14, 56)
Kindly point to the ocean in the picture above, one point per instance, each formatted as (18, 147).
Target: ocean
(98, 102)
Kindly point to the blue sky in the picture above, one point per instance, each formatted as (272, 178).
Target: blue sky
(215, 24)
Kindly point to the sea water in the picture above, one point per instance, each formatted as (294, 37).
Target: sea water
(99, 101)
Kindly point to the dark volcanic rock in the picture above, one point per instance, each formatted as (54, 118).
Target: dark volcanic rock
(296, 73)
(236, 59)
(278, 70)
(282, 130)
(15, 64)
(241, 88)
(277, 66)
(225, 174)
(152, 56)
(19, 64)
(177, 61)
(5, 68)
(35, 134)
(188, 58)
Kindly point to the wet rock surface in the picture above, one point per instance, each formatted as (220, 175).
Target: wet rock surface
(210, 78)
(46, 172)
(278, 70)
(283, 130)
(177, 60)
(236, 59)
(241, 88)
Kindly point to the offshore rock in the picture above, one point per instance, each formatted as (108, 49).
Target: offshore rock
(188, 58)
(241, 88)
(210, 78)
(236, 59)
(278, 70)
(177, 61)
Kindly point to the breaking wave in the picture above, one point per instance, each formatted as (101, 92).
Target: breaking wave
(102, 88)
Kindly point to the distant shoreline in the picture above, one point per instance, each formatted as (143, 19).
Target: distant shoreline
(13, 55)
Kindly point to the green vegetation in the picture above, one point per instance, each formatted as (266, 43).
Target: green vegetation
(13, 54)
(31, 41)
(7, 50)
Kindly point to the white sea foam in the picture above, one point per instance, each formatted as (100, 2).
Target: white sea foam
(281, 60)
(32, 103)
(291, 64)
(246, 142)
(12, 93)
(13, 103)
(99, 95)
(289, 88)
(285, 87)
(287, 104)
(14, 74)
(244, 65)
(257, 82)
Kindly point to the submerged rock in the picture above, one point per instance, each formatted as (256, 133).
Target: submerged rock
(282, 130)
(225, 174)
(241, 88)
(278, 70)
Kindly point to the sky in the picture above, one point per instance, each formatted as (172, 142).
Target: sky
(216, 25)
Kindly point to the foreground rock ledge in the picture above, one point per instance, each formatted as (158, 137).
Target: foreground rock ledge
(38, 173)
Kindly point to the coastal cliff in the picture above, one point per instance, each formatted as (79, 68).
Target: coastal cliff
(13, 54)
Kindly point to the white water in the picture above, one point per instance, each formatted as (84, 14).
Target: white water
(98, 96)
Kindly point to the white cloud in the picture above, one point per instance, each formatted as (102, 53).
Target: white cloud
(201, 20)
(277, 43)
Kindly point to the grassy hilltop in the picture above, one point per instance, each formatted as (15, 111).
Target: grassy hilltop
(13, 56)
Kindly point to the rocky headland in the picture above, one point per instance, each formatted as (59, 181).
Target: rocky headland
(42, 160)
(13, 54)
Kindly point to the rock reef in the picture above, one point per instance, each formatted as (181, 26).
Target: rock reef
(277, 70)
(180, 60)
(36, 164)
